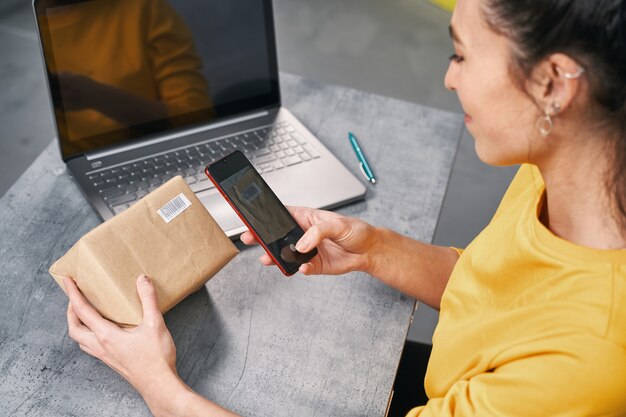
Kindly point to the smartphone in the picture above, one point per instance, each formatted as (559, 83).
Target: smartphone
(260, 210)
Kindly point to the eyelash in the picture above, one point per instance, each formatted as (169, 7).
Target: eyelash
(457, 58)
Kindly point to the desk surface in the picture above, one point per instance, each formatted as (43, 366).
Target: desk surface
(252, 340)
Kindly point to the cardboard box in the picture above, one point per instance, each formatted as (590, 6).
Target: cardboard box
(168, 236)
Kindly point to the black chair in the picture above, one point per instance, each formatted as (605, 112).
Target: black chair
(409, 384)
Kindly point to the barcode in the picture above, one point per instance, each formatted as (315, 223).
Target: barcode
(251, 192)
(174, 207)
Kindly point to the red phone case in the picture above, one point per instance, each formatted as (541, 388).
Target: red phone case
(243, 219)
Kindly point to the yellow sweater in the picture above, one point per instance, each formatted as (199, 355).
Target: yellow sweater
(530, 325)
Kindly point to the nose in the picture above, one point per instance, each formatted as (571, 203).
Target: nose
(450, 79)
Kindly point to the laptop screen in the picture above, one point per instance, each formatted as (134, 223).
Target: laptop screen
(124, 70)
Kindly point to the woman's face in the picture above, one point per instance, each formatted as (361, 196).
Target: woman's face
(500, 117)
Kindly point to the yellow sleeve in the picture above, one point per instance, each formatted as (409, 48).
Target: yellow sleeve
(457, 250)
(176, 64)
(583, 375)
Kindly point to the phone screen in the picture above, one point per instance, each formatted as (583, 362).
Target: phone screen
(259, 205)
(262, 211)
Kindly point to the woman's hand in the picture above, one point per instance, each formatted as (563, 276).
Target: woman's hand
(145, 355)
(344, 244)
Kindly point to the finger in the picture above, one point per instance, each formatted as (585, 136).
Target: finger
(266, 260)
(300, 212)
(85, 312)
(304, 216)
(307, 216)
(77, 330)
(332, 229)
(307, 269)
(148, 296)
(248, 239)
(313, 267)
(73, 321)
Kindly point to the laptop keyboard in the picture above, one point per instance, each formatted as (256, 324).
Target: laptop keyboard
(269, 149)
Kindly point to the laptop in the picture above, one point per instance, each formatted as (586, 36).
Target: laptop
(144, 90)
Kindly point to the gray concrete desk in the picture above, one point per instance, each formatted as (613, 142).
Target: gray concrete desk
(252, 340)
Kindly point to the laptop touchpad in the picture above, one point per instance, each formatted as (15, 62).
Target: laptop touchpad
(220, 210)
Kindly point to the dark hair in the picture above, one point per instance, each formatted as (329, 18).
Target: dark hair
(592, 32)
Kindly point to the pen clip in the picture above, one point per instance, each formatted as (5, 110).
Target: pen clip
(363, 172)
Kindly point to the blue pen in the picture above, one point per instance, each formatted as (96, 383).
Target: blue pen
(363, 164)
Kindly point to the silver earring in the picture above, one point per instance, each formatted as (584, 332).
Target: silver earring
(573, 75)
(545, 124)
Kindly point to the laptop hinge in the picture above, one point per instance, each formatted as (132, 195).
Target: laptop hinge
(129, 147)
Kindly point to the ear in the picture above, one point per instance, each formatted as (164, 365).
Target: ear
(556, 82)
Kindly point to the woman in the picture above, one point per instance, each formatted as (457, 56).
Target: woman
(533, 312)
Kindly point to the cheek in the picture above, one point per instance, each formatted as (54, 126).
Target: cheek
(499, 121)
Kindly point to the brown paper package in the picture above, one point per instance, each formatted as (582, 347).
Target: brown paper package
(179, 256)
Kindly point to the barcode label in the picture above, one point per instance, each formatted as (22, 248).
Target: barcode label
(251, 192)
(174, 207)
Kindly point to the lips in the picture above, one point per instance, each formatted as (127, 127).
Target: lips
(468, 118)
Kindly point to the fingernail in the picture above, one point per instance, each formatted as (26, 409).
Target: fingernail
(302, 245)
(142, 278)
(65, 280)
